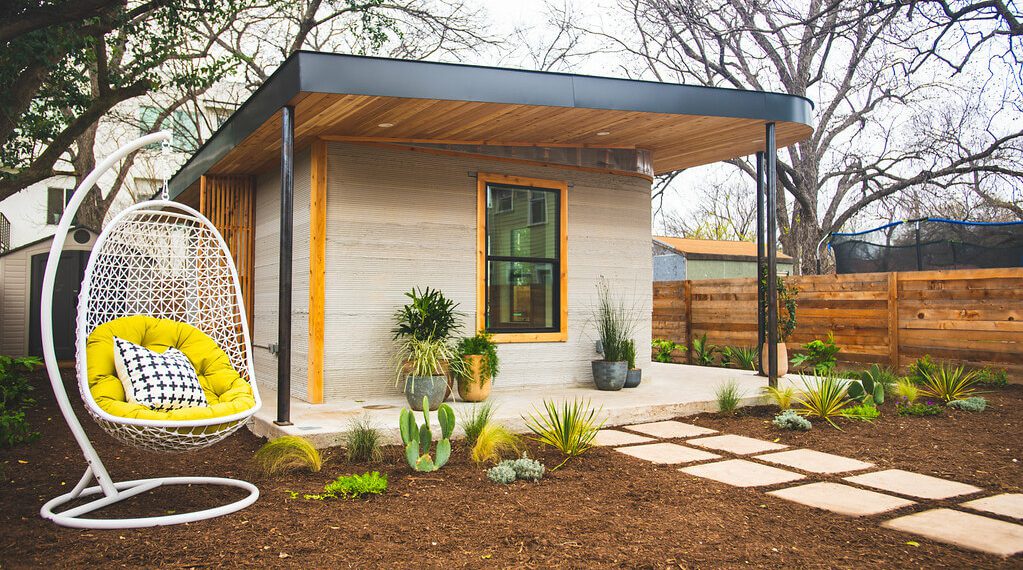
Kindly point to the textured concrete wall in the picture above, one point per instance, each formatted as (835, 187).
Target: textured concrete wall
(670, 267)
(724, 269)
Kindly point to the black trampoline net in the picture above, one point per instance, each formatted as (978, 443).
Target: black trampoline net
(929, 244)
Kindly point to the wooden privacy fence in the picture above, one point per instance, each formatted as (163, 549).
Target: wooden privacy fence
(970, 316)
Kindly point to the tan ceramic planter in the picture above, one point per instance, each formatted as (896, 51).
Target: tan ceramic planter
(472, 389)
(783, 359)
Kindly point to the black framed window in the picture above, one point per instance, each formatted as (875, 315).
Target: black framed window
(523, 259)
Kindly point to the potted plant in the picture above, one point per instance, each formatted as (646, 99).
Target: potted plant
(479, 366)
(615, 325)
(426, 357)
(786, 323)
(634, 376)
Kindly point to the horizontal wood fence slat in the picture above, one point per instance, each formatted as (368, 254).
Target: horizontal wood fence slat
(974, 317)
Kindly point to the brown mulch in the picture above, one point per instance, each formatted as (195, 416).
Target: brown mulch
(604, 510)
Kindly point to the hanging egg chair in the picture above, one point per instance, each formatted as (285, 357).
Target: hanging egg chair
(155, 265)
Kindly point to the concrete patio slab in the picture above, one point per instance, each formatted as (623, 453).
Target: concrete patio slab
(963, 529)
(667, 453)
(670, 429)
(737, 444)
(614, 438)
(815, 461)
(841, 499)
(1006, 504)
(913, 484)
(668, 391)
(742, 473)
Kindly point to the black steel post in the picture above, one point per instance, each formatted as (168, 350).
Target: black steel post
(284, 283)
(761, 284)
(772, 256)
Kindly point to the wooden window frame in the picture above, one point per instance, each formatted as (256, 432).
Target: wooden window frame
(482, 180)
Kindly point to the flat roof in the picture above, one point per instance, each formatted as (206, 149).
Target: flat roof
(714, 248)
(348, 97)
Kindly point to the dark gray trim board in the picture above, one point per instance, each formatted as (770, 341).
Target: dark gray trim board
(316, 72)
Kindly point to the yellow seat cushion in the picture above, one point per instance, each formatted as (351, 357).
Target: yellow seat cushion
(226, 391)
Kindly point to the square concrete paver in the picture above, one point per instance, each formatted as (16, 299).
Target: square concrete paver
(815, 461)
(666, 453)
(963, 529)
(613, 438)
(913, 484)
(670, 429)
(737, 444)
(841, 499)
(1006, 504)
(742, 473)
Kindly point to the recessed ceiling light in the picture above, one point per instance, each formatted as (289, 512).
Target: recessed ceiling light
(385, 125)
(603, 133)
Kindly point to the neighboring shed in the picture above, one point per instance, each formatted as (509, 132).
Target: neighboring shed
(677, 259)
(21, 278)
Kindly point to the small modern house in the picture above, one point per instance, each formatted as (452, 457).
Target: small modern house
(678, 259)
(356, 179)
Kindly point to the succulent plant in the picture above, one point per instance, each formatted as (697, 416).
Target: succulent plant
(502, 473)
(973, 404)
(527, 469)
(866, 390)
(789, 419)
(418, 439)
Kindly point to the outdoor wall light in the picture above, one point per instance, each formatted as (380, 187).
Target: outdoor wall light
(385, 125)
(603, 133)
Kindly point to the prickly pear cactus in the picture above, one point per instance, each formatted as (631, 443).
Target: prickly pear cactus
(867, 391)
(418, 439)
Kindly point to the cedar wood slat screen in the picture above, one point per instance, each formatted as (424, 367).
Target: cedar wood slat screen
(229, 202)
(971, 316)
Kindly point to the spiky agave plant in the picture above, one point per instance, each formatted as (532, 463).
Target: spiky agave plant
(570, 427)
(741, 357)
(824, 398)
(949, 382)
(287, 453)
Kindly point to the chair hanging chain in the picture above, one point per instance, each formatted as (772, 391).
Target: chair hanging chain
(165, 149)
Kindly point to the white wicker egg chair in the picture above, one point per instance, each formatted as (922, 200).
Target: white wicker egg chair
(166, 260)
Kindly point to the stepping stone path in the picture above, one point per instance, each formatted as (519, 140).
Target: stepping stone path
(742, 473)
(951, 526)
(667, 453)
(1007, 504)
(670, 429)
(913, 484)
(737, 444)
(841, 499)
(613, 438)
(963, 529)
(815, 461)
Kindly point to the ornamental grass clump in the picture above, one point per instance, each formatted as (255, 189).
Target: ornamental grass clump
(474, 421)
(493, 443)
(615, 323)
(824, 398)
(947, 382)
(570, 428)
(728, 396)
(362, 441)
(790, 420)
(782, 397)
(907, 390)
(287, 453)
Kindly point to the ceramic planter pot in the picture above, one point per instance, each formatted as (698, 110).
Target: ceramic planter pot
(783, 359)
(476, 386)
(609, 375)
(433, 387)
(633, 377)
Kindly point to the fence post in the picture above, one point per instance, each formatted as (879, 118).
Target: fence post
(893, 320)
(687, 295)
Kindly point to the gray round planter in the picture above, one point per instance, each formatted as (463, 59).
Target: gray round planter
(433, 387)
(633, 377)
(609, 375)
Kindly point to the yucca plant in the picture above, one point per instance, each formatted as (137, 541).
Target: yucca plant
(362, 441)
(824, 398)
(287, 453)
(474, 421)
(949, 382)
(493, 443)
(728, 396)
(782, 397)
(570, 427)
(741, 357)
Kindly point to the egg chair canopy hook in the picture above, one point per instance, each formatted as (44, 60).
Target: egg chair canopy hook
(157, 263)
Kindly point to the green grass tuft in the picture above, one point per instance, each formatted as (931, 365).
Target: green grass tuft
(728, 396)
(287, 453)
(474, 422)
(362, 441)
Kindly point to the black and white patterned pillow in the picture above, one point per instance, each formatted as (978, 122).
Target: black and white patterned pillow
(158, 381)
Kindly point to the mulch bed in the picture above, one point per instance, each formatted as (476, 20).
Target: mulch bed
(602, 510)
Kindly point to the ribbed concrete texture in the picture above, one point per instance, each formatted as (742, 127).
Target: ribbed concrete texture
(1006, 504)
(667, 453)
(963, 529)
(913, 484)
(815, 461)
(742, 473)
(737, 444)
(670, 429)
(841, 499)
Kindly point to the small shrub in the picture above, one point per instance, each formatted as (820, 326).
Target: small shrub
(353, 487)
(704, 353)
(493, 443)
(790, 420)
(16, 399)
(906, 389)
(474, 422)
(728, 397)
(664, 348)
(287, 453)
(569, 428)
(949, 382)
(921, 368)
(973, 404)
(741, 357)
(819, 356)
(502, 473)
(865, 412)
(880, 375)
(918, 409)
(782, 397)
(995, 377)
(824, 398)
(362, 442)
